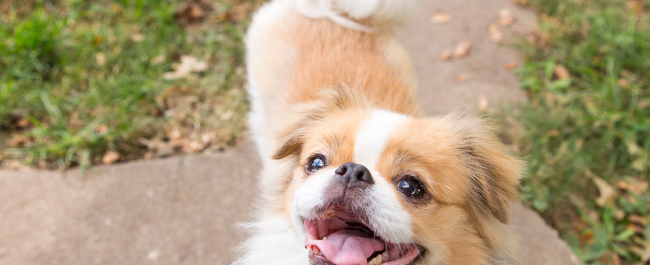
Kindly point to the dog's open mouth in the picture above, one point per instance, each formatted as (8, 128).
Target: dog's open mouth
(343, 238)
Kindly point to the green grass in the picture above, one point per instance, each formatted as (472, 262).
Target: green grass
(78, 78)
(592, 126)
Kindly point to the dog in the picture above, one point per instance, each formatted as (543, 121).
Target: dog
(352, 172)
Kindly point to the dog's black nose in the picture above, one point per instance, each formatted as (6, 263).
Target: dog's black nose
(354, 175)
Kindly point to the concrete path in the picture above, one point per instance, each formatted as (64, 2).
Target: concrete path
(181, 210)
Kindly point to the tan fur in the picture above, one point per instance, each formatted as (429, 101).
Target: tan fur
(319, 80)
(300, 56)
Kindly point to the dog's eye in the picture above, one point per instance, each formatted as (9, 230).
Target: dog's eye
(411, 188)
(316, 163)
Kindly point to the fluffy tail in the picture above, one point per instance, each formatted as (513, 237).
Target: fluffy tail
(364, 15)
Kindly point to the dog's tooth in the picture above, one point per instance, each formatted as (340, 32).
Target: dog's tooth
(377, 260)
(384, 256)
(315, 249)
(324, 238)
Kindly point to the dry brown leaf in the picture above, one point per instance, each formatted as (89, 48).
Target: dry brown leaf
(636, 6)
(640, 220)
(22, 123)
(194, 146)
(440, 18)
(16, 141)
(511, 65)
(506, 18)
(462, 49)
(97, 40)
(623, 184)
(241, 11)
(101, 129)
(483, 103)
(110, 157)
(191, 12)
(188, 65)
(446, 55)
(644, 104)
(634, 185)
(100, 58)
(607, 192)
(552, 133)
(461, 78)
(623, 83)
(561, 72)
(495, 33)
(158, 59)
(137, 37)
(116, 8)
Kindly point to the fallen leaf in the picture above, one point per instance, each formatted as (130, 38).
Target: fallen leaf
(191, 12)
(506, 18)
(188, 65)
(97, 40)
(483, 103)
(607, 192)
(623, 83)
(636, 6)
(16, 141)
(446, 55)
(495, 33)
(440, 18)
(640, 220)
(461, 78)
(116, 8)
(561, 72)
(158, 59)
(511, 65)
(137, 37)
(110, 157)
(552, 133)
(623, 184)
(194, 146)
(101, 129)
(636, 186)
(462, 49)
(100, 58)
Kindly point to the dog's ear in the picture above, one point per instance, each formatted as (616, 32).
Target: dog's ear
(494, 175)
(291, 146)
(313, 113)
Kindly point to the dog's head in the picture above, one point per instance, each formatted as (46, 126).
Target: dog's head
(377, 187)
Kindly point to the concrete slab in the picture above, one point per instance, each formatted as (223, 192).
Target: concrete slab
(170, 211)
(439, 87)
(182, 210)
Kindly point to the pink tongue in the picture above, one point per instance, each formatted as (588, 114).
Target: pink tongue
(348, 247)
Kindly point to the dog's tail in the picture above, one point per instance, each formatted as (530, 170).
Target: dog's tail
(364, 15)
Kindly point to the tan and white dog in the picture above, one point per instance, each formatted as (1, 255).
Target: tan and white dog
(352, 173)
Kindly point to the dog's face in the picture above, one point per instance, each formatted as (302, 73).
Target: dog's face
(376, 187)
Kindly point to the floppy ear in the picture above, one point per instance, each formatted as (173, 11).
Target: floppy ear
(310, 114)
(291, 146)
(494, 175)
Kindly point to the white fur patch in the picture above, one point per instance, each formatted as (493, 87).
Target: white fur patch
(272, 242)
(382, 11)
(257, 116)
(370, 141)
(309, 197)
(387, 216)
